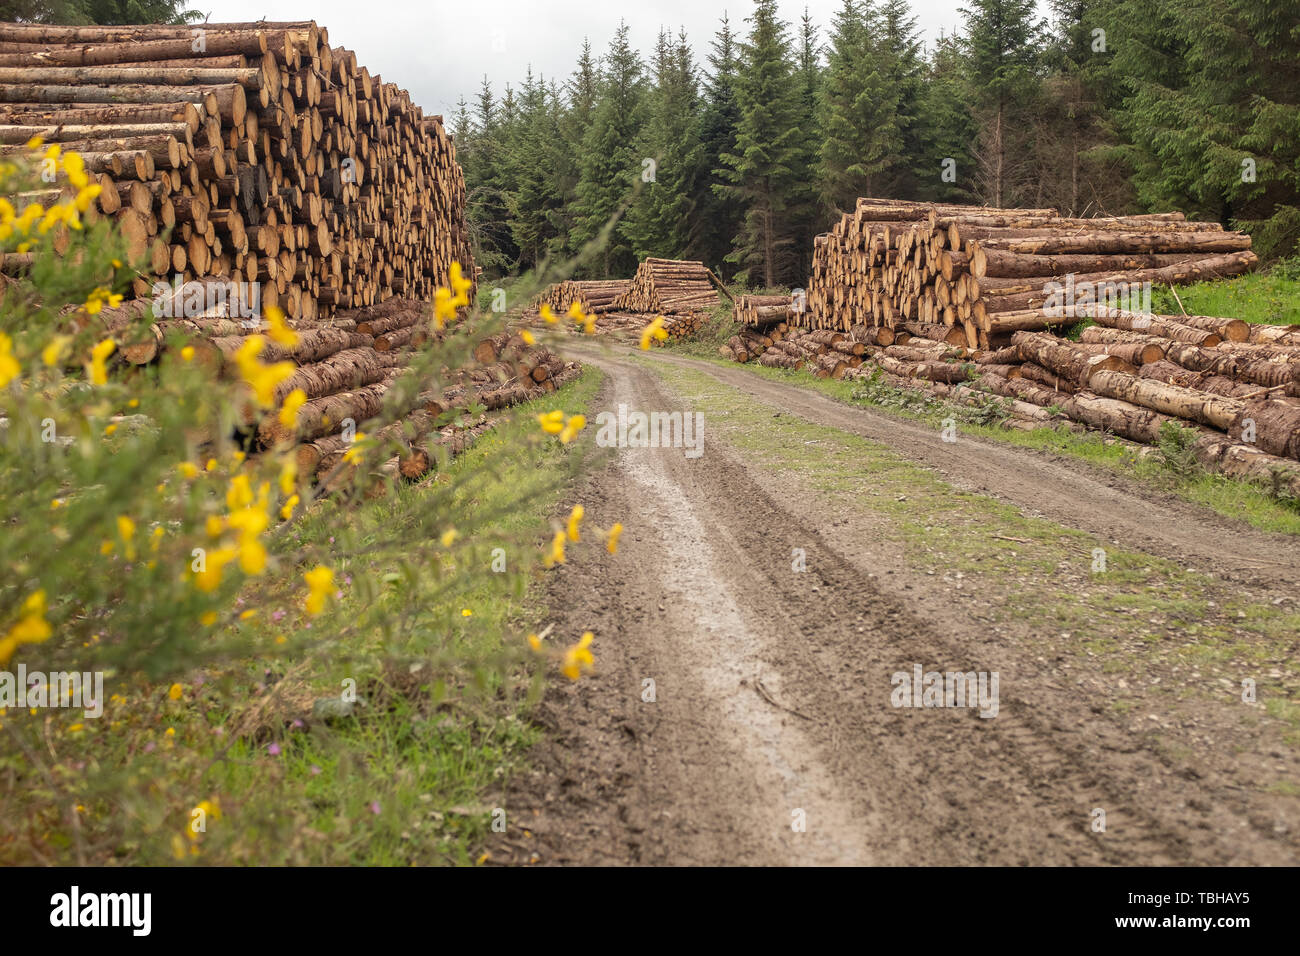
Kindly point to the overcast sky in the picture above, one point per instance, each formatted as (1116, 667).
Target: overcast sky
(440, 50)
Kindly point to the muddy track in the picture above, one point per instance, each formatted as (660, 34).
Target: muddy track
(1068, 491)
(771, 694)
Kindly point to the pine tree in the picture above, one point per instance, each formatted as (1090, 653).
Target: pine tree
(663, 220)
(1002, 44)
(1211, 110)
(762, 171)
(859, 111)
(720, 210)
(900, 47)
(610, 167)
(945, 161)
(807, 215)
(487, 208)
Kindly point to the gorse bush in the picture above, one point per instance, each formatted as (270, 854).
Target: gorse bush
(149, 541)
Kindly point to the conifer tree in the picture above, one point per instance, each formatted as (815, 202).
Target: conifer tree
(762, 171)
(610, 167)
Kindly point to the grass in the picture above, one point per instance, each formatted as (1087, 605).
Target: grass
(302, 774)
(1232, 498)
(1271, 296)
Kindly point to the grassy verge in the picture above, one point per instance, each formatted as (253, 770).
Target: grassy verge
(293, 769)
(1141, 617)
(1165, 470)
(1271, 296)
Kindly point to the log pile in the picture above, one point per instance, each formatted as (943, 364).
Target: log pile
(992, 272)
(667, 286)
(349, 366)
(761, 311)
(594, 296)
(251, 152)
(1235, 387)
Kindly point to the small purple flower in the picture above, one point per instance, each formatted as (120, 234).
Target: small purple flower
(277, 615)
(273, 750)
(148, 748)
(298, 724)
(315, 770)
(374, 807)
(347, 579)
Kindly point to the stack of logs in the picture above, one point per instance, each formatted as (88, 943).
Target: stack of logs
(988, 273)
(266, 156)
(349, 366)
(761, 311)
(595, 297)
(669, 286)
(1235, 385)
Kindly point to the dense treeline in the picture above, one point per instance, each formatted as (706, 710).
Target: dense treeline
(1110, 106)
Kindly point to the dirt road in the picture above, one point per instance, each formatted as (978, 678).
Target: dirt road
(742, 708)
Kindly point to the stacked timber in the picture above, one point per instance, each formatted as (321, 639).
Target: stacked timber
(750, 343)
(1235, 388)
(761, 311)
(353, 366)
(251, 152)
(593, 296)
(992, 272)
(665, 286)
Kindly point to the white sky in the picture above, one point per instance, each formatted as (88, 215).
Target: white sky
(440, 50)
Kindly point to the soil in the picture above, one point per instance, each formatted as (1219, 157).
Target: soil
(770, 736)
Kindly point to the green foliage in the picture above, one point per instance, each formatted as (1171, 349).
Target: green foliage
(1116, 106)
(763, 173)
(106, 12)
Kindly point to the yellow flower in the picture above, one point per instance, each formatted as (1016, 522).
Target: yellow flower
(248, 615)
(320, 581)
(571, 428)
(208, 618)
(655, 330)
(75, 167)
(187, 353)
(286, 511)
(611, 543)
(528, 337)
(459, 284)
(577, 658)
(534, 642)
(176, 692)
(449, 536)
(552, 422)
(110, 429)
(188, 469)
(97, 370)
(280, 331)
(240, 493)
(210, 464)
(466, 612)
(86, 195)
(9, 367)
(214, 526)
(126, 529)
(557, 550)
(546, 313)
(289, 410)
(209, 579)
(31, 628)
(575, 517)
(36, 142)
(252, 556)
(53, 353)
(354, 453)
(288, 475)
(263, 378)
(444, 308)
